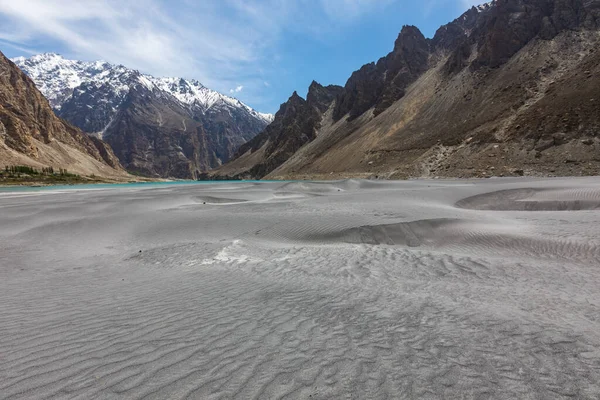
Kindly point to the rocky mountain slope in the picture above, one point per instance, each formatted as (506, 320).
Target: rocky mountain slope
(508, 88)
(32, 135)
(296, 124)
(169, 127)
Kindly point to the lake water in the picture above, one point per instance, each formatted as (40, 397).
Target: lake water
(114, 185)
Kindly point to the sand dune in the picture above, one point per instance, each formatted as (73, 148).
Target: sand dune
(322, 290)
(535, 200)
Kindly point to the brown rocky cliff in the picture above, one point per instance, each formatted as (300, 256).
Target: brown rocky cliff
(26, 117)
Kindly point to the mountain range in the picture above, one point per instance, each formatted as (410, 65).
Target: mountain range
(162, 127)
(510, 87)
(32, 135)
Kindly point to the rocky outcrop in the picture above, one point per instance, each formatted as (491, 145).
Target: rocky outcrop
(321, 97)
(509, 25)
(379, 85)
(31, 134)
(453, 34)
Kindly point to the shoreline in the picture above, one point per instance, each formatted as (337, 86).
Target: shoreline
(36, 183)
(315, 178)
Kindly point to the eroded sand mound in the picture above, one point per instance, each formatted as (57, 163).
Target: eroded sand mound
(529, 199)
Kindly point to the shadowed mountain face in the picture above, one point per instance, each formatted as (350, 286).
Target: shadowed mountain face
(30, 133)
(379, 85)
(167, 127)
(510, 87)
(295, 124)
(156, 135)
(503, 29)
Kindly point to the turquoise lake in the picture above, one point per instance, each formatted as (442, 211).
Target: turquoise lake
(117, 185)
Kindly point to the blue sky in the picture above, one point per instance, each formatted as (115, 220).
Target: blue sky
(259, 51)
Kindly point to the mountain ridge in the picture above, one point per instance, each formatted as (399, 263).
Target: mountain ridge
(467, 108)
(73, 73)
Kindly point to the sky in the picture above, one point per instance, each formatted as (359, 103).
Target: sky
(259, 51)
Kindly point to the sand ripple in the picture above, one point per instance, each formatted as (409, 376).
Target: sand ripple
(350, 289)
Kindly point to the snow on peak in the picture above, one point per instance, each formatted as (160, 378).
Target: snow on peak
(485, 6)
(148, 84)
(188, 92)
(193, 93)
(267, 117)
(57, 77)
(19, 60)
(467, 15)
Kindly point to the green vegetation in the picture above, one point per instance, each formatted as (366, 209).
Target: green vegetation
(139, 174)
(23, 174)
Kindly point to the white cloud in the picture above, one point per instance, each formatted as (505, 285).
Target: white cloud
(149, 35)
(237, 89)
(219, 42)
(25, 51)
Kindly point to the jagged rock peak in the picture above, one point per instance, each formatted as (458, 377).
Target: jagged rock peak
(321, 97)
(408, 37)
(511, 24)
(483, 7)
(295, 98)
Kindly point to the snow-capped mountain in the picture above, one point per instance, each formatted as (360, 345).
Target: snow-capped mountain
(193, 93)
(146, 119)
(57, 77)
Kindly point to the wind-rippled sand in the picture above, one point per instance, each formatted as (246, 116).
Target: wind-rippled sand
(339, 290)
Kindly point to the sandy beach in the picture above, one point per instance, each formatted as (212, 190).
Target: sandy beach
(470, 289)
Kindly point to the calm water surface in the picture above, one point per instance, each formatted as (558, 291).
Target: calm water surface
(114, 185)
